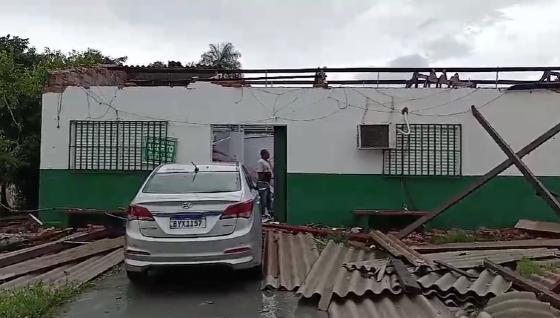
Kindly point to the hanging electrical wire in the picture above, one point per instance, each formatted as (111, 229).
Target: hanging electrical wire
(404, 112)
(461, 112)
(371, 99)
(447, 90)
(312, 119)
(447, 103)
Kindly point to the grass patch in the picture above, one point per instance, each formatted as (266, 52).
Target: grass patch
(36, 301)
(454, 237)
(527, 267)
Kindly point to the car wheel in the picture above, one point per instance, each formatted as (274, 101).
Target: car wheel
(137, 277)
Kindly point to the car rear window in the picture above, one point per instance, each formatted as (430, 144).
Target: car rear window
(189, 182)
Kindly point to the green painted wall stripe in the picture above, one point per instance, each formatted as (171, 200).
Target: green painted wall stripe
(326, 198)
(330, 198)
(85, 189)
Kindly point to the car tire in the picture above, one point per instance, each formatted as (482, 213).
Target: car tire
(137, 277)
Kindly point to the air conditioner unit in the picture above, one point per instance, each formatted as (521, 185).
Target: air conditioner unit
(376, 136)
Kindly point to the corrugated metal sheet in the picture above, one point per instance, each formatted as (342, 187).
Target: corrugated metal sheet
(470, 259)
(287, 259)
(371, 266)
(516, 305)
(398, 249)
(329, 277)
(402, 306)
(446, 285)
(460, 289)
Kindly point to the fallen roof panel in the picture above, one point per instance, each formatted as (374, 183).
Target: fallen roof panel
(288, 258)
(450, 285)
(491, 245)
(20, 255)
(332, 276)
(538, 226)
(398, 249)
(64, 257)
(402, 306)
(91, 268)
(471, 259)
(329, 277)
(517, 304)
(78, 273)
(550, 275)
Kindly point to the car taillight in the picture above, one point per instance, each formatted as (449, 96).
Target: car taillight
(238, 210)
(136, 212)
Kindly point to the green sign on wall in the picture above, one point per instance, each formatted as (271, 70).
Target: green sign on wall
(159, 150)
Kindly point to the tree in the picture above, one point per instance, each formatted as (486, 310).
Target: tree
(221, 56)
(159, 64)
(8, 163)
(23, 73)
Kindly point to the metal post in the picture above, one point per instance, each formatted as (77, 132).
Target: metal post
(536, 183)
(480, 182)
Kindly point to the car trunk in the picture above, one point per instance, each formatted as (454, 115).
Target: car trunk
(188, 215)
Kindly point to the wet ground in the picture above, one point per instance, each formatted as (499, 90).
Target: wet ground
(214, 293)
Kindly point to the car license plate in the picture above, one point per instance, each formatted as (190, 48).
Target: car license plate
(187, 222)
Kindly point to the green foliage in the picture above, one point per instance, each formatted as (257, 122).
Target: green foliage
(527, 267)
(34, 301)
(8, 160)
(456, 236)
(23, 73)
(221, 56)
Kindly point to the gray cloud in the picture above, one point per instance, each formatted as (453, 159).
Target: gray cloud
(412, 60)
(446, 46)
(295, 33)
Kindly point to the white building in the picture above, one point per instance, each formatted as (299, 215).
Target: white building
(101, 136)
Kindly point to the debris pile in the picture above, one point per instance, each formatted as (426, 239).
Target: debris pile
(387, 277)
(58, 257)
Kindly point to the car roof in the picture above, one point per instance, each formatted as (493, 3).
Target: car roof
(202, 167)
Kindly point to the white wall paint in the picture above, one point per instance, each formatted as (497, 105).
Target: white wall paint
(321, 122)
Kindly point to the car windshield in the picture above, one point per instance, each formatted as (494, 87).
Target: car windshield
(189, 182)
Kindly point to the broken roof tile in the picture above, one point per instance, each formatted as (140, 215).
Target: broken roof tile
(471, 259)
(403, 306)
(288, 258)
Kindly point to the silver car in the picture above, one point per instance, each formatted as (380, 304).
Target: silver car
(187, 214)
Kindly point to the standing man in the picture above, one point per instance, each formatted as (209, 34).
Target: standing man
(264, 174)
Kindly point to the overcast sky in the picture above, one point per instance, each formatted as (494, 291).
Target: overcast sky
(299, 33)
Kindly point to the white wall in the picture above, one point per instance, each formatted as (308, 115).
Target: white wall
(321, 122)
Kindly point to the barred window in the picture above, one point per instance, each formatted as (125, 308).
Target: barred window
(429, 150)
(119, 145)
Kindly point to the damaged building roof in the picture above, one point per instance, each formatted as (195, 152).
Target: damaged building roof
(119, 75)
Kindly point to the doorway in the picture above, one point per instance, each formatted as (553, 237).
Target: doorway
(243, 143)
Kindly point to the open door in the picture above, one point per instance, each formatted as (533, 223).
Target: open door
(280, 173)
